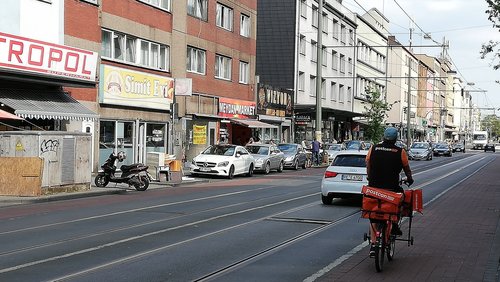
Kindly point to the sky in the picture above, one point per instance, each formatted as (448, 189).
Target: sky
(463, 23)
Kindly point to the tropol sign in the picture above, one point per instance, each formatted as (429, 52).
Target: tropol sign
(23, 55)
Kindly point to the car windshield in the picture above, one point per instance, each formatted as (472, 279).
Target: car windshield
(259, 150)
(350, 160)
(290, 148)
(442, 146)
(219, 150)
(419, 146)
(353, 145)
(334, 147)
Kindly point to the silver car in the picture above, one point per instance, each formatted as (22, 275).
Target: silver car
(333, 149)
(267, 157)
(420, 151)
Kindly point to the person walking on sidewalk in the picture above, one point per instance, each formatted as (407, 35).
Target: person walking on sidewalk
(315, 151)
(384, 163)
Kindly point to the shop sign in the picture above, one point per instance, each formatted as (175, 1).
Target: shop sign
(21, 54)
(130, 88)
(199, 134)
(233, 108)
(274, 102)
(302, 118)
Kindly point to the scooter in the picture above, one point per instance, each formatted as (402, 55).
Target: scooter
(134, 175)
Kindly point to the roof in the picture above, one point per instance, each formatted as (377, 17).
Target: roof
(45, 104)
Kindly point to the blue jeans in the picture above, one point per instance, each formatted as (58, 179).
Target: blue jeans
(316, 158)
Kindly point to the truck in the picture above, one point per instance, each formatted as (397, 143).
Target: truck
(479, 139)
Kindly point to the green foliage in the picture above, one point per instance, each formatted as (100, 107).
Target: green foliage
(492, 47)
(491, 123)
(376, 114)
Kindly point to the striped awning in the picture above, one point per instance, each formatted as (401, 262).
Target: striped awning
(45, 104)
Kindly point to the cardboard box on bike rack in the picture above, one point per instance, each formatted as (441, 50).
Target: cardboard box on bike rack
(380, 204)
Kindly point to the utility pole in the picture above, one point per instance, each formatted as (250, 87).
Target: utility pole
(319, 77)
(408, 100)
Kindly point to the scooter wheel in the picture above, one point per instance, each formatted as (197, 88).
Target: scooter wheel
(101, 180)
(143, 184)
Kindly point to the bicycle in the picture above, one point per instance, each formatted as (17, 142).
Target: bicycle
(383, 208)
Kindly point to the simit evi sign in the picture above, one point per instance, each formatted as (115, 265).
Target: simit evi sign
(20, 54)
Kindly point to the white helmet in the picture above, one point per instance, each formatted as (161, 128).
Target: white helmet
(121, 156)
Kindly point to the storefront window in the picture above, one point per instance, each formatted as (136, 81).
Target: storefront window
(116, 136)
(155, 138)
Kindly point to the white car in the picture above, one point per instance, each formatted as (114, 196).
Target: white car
(223, 160)
(345, 176)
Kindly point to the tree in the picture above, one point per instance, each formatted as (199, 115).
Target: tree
(376, 114)
(492, 47)
(491, 123)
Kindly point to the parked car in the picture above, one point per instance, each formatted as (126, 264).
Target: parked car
(356, 145)
(345, 176)
(401, 144)
(420, 151)
(267, 157)
(443, 149)
(458, 147)
(223, 160)
(489, 147)
(295, 155)
(332, 150)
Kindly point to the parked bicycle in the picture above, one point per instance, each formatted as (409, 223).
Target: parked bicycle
(385, 208)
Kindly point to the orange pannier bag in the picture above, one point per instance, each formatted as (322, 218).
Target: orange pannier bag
(412, 202)
(380, 204)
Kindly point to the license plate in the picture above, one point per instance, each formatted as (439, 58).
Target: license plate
(205, 169)
(352, 177)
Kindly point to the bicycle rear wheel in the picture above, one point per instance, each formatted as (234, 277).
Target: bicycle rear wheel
(380, 249)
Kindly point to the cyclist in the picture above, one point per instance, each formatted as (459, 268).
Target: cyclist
(384, 163)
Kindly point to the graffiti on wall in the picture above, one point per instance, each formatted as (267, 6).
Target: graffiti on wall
(49, 145)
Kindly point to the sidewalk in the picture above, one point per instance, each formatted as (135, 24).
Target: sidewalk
(457, 239)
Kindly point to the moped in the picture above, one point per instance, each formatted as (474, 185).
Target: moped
(134, 175)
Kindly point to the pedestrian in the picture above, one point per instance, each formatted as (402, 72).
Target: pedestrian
(315, 151)
(384, 163)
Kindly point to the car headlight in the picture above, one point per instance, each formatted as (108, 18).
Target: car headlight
(224, 163)
(289, 159)
(259, 161)
(193, 161)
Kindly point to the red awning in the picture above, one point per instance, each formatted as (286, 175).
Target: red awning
(7, 115)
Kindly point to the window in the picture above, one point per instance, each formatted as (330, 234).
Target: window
(349, 66)
(315, 16)
(351, 37)
(312, 86)
(302, 81)
(244, 72)
(162, 4)
(130, 49)
(314, 51)
(325, 56)
(323, 88)
(335, 60)
(335, 29)
(333, 91)
(222, 67)
(325, 23)
(342, 63)
(198, 9)
(302, 44)
(349, 93)
(245, 25)
(341, 93)
(196, 59)
(224, 17)
(303, 8)
(343, 34)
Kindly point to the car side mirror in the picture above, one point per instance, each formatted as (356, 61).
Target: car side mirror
(238, 154)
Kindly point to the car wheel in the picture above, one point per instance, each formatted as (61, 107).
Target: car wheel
(250, 171)
(231, 172)
(280, 167)
(327, 200)
(267, 169)
(296, 165)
